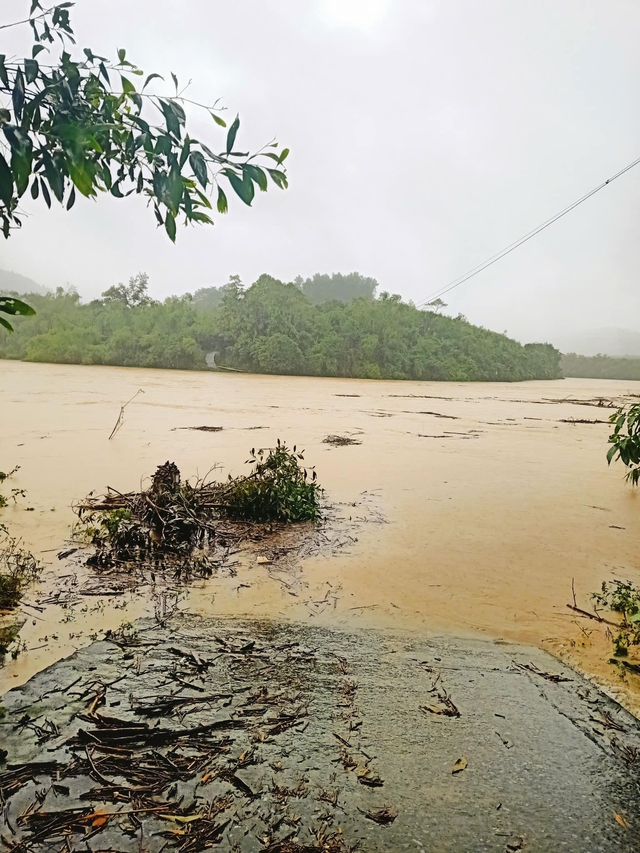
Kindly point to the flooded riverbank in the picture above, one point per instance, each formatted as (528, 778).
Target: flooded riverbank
(495, 500)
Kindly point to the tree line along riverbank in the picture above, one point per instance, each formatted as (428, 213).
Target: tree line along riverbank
(272, 327)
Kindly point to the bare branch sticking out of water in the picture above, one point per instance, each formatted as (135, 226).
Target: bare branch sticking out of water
(120, 420)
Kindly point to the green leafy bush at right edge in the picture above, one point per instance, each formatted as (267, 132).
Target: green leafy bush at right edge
(623, 597)
(625, 441)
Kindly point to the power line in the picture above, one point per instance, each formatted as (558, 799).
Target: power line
(494, 258)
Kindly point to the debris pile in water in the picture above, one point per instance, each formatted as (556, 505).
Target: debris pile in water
(179, 523)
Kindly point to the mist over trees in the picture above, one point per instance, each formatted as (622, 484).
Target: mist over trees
(600, 367)
(272, 327)
(322, 288)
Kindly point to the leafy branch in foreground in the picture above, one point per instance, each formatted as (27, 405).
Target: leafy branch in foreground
(83, 126)
(625, 441)
(13, 307)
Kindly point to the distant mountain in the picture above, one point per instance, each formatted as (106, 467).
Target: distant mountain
(13, 282)
(613, 342)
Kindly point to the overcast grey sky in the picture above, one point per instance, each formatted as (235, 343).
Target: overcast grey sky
(425, 135)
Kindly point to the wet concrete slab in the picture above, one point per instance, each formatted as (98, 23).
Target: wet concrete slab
(287, 739)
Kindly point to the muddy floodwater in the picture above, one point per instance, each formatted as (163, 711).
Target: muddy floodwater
(494, 499)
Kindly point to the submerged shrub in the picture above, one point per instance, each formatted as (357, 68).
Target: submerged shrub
(622, 597)
(279, 489)
(18, 568)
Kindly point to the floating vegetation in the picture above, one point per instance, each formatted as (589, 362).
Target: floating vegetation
(179, 522)
(340, 440)
(18, 568)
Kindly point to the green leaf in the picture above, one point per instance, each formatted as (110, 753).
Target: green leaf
(21, 170)
(219, 120)
(199, 166)
(11, 305)
(612, 452)
(21, 157)
(122, 53)
(170, 226)
(279, 178)
(198, 216)
(223, 204)
(243, 187)
(45, 193)
(5, 116)
(31, 69)
(35, 188)
(257, 175)
(36, 49)
(127, 86)
(184, 154)
(176, 188)
(175, 81)
(232, 133)
(161, 188)
(18, 139)
(150, 78)
(17, 95)
(283, 155)
(171, 117)
(106, 176)
(55, 178)
(72, 198)
(81, 173)
(4, 77)
(6, 324)
(6, 182)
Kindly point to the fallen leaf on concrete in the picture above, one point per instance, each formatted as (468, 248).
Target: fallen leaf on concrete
(383, 816)
(181, 818)
(621, 819)
(263, 561)
(433, 709)
(367, 777)
(460, 765)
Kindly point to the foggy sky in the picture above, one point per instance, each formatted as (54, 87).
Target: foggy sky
(425, 136)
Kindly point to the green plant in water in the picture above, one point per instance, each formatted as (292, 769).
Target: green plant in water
(278, 489)
(8, 635)
(622, 597)
(625, 441)
(113, 521)
(18, 568)
(15, 493)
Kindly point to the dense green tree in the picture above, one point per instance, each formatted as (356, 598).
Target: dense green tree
(210, 297)
(272, 327)
(132, 295)
(322, 287)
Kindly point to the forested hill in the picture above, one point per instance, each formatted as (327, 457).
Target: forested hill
(271, 328)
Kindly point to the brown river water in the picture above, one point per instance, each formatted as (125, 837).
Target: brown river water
(491, 510)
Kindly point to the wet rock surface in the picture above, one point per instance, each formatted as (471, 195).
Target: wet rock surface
(260, 736)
